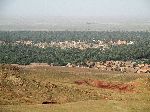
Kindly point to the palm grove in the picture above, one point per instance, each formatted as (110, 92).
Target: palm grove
(26, 54)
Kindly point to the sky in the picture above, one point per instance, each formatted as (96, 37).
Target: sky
(75, 8)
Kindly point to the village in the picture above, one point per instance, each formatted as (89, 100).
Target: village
(73, 44)
(119, 66)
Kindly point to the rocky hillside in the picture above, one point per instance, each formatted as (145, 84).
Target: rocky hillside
(52, 85)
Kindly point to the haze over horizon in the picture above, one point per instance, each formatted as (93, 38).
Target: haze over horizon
(72, 12)
(75, 8)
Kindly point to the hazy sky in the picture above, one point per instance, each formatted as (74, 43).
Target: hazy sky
(78, 8)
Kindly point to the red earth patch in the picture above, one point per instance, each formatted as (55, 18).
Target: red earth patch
(107, 85)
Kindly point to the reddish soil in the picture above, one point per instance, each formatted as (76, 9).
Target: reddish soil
(80, 82)
(107, 85)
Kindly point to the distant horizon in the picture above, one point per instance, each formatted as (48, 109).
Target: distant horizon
(74, 14)
(75, 8)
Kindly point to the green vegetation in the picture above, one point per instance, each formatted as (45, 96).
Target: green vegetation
(47, 36)
(21, 54)
(26, 54)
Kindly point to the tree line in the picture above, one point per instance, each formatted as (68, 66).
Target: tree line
(47, 36)
(23, 54)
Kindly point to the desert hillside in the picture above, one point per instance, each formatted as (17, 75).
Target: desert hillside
(59, 87)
